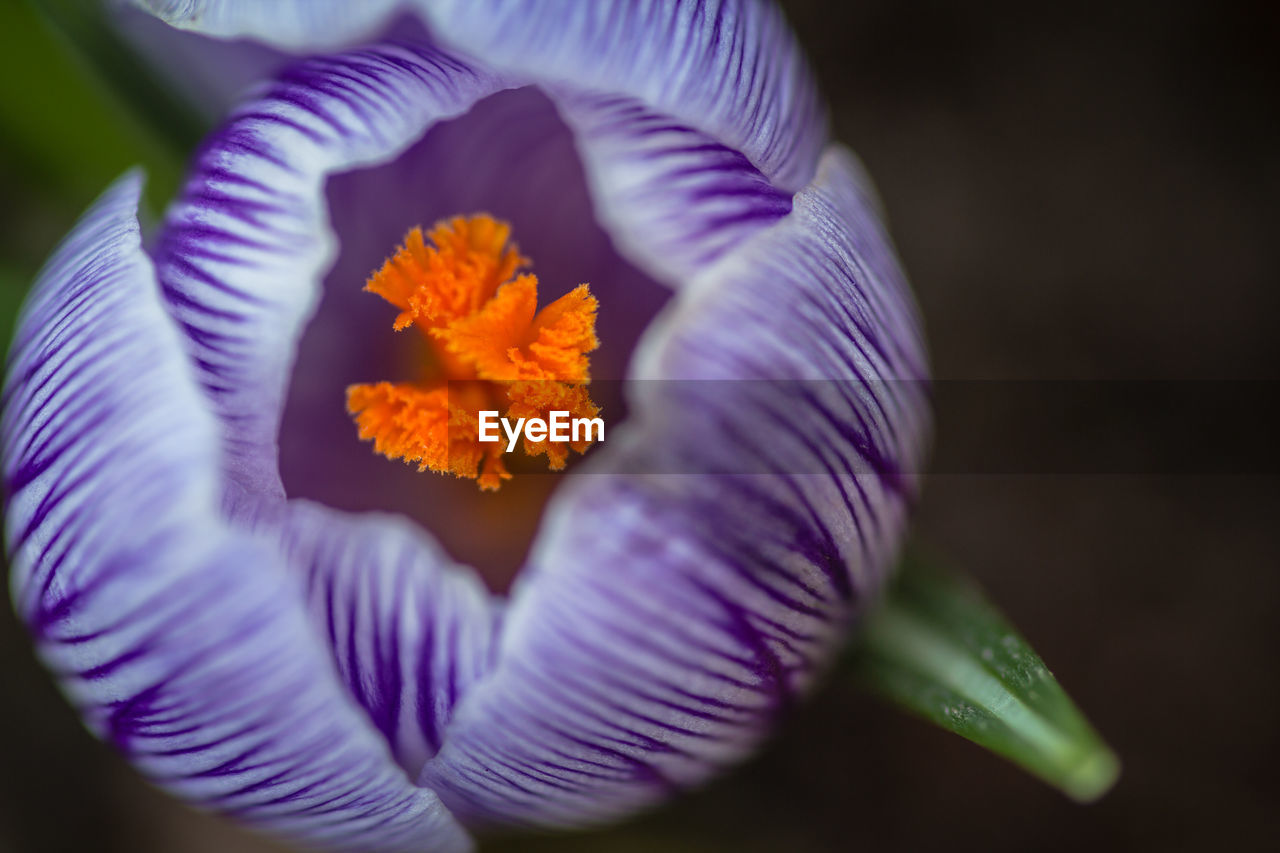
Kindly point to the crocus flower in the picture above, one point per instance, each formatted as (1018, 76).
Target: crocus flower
(182, 472)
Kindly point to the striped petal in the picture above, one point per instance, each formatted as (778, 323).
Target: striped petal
(681, 597)
(410, 632)
(244, 250)
(181, 640)
(672, 197)
(729, 68)
(696, 121)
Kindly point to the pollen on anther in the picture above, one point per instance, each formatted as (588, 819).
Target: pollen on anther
(490, 347)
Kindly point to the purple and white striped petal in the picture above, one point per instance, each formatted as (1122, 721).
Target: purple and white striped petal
(728, 68)
(696, 584)
(696, 121)
(672, 197)
(182, 641)
(410, 631)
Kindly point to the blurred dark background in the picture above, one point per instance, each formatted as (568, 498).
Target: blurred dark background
(1080, 192)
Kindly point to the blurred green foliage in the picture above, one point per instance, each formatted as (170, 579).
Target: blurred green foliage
(67, 129)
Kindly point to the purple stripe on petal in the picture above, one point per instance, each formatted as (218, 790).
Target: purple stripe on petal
(180, 640)
(629, 667)
(410, 631)
(728, 68)
(673, 198)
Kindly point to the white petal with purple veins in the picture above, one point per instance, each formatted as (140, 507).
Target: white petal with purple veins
(673, 197)
(409, 631)
(728, 68)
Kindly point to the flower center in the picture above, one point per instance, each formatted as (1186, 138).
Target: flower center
(489, 348)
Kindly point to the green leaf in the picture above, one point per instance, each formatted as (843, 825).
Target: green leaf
(935, 646)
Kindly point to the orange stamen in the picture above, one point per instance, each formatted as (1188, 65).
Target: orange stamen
(432, 285)
(493, 350)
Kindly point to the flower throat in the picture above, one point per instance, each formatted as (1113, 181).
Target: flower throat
(489, 348)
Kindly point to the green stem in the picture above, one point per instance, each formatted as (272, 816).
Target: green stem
(938, 648)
